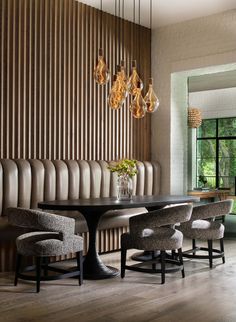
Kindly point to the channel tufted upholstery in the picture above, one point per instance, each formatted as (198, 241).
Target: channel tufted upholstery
(202, 226)
(54, 236)
(24, 183)
(155, 231)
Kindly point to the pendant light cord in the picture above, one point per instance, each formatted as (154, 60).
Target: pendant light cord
(134, 34)
(151, 14)
(151, 35)
(123, 30)
(116, 55)
(119, 35)
(100, 23)
(139, 33)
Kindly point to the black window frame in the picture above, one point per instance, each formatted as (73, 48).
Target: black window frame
(217, 138)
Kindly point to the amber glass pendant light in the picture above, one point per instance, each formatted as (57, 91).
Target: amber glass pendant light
(101, 72)
(116, 97)
(151, 99)
(134, 80)
(138, 105)
(123, 78)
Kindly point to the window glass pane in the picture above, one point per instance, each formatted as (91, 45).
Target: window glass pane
(206, 167)
(206, 163)
(227, 163)
(207, 129)
(227, 182)
(227, 127)
(206, 149)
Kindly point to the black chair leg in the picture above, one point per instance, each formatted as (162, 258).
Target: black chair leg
(163, 268)
(79, 258)
(181, 261)
(173, 254)
(222, 249)
(194, 246)
(210, 252)
(18, 264)
(123, 262)
(154, 266)
(38, 273)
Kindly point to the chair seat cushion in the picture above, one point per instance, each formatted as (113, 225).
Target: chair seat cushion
(203, 229)
(162, 239)
(47, 244)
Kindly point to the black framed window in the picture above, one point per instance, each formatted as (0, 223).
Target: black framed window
(216, 153)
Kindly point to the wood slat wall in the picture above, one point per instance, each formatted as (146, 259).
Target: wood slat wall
(50, 105)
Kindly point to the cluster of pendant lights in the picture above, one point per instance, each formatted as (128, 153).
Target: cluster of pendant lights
(123, 85)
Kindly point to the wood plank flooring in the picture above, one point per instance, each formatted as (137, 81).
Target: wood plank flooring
(203, 296)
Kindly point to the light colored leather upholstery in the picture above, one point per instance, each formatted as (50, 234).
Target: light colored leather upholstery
(24, 183)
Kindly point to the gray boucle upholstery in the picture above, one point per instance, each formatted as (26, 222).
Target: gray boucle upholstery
(55, 235)
(198, 228)
(164, 238)
(147, 231)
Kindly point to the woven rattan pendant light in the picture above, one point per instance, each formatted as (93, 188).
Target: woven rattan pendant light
(194, 117)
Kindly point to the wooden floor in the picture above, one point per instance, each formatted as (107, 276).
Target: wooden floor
(204, 295)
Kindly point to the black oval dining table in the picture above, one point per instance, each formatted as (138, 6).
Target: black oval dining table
(92, 209)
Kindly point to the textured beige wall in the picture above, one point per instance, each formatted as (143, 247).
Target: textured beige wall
(178, 51)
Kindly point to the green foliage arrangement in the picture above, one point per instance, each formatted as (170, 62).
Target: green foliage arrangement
(124, 167)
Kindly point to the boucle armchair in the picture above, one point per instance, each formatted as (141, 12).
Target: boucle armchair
(203, 227)
(54, 236)
(156, 231)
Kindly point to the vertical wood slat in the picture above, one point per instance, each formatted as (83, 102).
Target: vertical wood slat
(50, 105)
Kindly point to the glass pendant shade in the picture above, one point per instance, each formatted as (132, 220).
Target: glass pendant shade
(124, 79)
(115, 97)
(134, 79)
(151, 99)
(117, 94)
(138, 105)
(101, 71)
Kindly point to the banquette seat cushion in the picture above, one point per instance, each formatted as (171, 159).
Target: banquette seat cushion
(24, 183)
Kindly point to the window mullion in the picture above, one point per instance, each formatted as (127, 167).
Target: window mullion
(217, 153)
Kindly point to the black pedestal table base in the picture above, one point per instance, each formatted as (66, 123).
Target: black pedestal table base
(94, 268)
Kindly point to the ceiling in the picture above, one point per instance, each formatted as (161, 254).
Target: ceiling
(166, 12)
(212, 81)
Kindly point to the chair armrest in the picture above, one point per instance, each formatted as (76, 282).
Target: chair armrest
(158, 218)
(40, 220)
(212, 210)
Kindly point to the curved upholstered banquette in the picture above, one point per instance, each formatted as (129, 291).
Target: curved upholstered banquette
(24, 183)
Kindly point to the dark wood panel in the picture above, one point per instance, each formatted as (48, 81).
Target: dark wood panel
(50, 105)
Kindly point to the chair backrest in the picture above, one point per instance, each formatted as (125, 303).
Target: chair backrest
(39, 220)
(159, 218)
(24, 183)
(212, 209)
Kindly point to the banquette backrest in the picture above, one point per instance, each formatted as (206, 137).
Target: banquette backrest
(24, 183)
